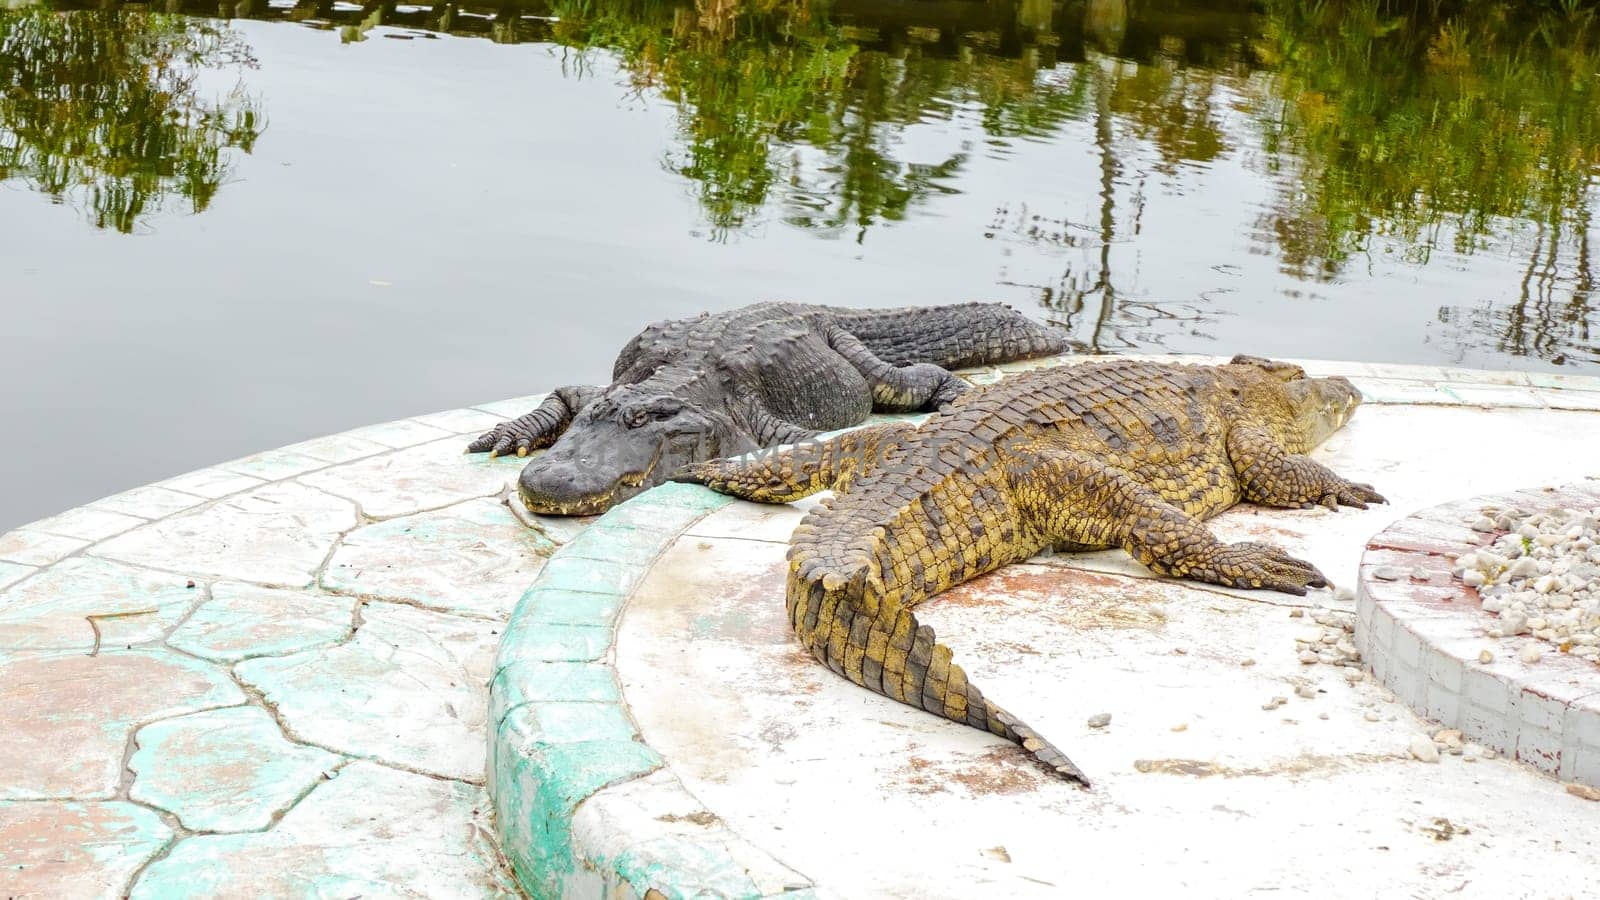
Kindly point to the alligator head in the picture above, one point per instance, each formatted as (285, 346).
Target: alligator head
(622, 444)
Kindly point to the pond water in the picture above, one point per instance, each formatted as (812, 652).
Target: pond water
(220, 234)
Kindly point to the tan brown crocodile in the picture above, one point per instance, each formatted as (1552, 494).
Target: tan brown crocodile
(1103, 454)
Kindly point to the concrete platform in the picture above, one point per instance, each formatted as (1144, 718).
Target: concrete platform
(1229, 767)
(267, 678)
(278, 677)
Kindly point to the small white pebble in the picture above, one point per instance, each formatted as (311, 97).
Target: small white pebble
(1181, 726)
(1485, 657)
(1306, 691)
(1473, 578)
(1246, 663)
(1523, 568)
(1322, 715)
(1274, 703)
(1296, 613)
(1422, 748)
(1531, 654)
(1099, 720)
(1307, 658)
(1370, 716)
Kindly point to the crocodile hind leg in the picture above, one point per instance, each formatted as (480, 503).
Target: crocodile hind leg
(540, 428)
(910, 388)
(1074, 498)
(786, 474)
(1272, 476)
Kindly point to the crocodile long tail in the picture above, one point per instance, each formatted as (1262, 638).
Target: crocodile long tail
(876, 641)
(955, 337)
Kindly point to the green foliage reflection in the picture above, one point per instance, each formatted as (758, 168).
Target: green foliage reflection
(1401, 124)
(1470, 125)
(779, 98)
(103, 108)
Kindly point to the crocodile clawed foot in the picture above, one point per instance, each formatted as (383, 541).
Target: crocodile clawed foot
(1350, 493)
(1264, 567)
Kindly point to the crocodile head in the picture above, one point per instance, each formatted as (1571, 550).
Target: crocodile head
(623, 444)
(1308, 410)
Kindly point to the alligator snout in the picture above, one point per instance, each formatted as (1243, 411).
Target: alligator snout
(569, 488)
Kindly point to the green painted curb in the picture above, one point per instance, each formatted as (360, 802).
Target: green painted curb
(559, 731)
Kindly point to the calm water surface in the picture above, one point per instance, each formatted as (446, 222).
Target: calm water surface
(222, 235)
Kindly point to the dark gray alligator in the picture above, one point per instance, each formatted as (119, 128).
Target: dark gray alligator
(690, 390)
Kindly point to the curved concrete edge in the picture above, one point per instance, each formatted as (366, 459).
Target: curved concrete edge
(583, 807)
(1421, 632)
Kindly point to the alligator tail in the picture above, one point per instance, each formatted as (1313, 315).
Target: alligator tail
(852, 627)
(954, 337)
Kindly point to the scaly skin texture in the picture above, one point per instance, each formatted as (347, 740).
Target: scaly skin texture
(1104, 454)
(690, 390)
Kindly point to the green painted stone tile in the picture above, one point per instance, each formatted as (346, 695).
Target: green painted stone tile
(593, 575)
(682, 870)
(539, 789)
(1381, 392)
(223, 770)
(1564, 382)
(625, 546)
(667, 509)
(529, 640)
(556, 606)
(567, 723)
(553, 723)
(570, 682)
(686, 497)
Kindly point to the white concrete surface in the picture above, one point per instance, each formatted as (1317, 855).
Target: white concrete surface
(1198, 789)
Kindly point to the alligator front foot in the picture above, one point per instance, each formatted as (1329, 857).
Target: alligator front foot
(521, 434)
(537, 429)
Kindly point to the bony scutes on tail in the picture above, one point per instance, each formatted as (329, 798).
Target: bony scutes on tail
(689, 390)
(1103, 454)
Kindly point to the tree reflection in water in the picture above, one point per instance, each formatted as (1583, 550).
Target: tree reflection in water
(1460, 124)
(1381, 125)
(102, 109)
